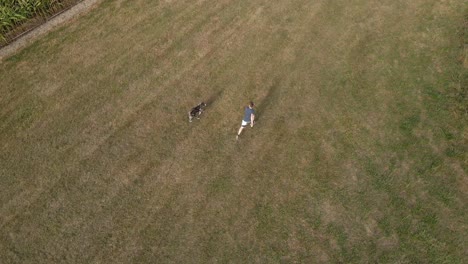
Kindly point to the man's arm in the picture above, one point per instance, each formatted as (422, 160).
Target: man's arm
(252, 120)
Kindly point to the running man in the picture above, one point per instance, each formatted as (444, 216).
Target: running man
(249, 118)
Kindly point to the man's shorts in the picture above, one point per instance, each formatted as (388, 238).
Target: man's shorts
(245, 123)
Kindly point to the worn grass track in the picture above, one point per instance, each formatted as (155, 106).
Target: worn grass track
(359, 154)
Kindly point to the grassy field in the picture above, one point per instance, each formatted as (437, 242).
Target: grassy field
(359, 154)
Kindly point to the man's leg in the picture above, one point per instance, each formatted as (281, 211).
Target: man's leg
(240, 131)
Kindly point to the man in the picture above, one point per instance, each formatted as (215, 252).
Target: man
(249, 118)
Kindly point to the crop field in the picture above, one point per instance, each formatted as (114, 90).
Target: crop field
(18, 16)
(359, 154)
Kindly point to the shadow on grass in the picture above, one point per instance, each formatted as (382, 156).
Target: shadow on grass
(269, 99)
(213, 98)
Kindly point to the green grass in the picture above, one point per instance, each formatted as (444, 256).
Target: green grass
(358, 156)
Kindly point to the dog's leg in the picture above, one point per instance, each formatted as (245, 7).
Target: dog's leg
(189, 117)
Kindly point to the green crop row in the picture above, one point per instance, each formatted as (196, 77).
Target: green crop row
(15, 12)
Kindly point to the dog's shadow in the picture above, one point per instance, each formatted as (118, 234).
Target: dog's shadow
(213, 98)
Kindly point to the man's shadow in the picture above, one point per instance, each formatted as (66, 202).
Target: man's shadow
(270, 97)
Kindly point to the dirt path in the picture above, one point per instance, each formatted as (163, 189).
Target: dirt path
(43, 29)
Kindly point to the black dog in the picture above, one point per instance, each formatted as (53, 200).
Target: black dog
(196, 111)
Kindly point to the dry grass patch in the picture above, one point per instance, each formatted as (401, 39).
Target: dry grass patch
(356, 156)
